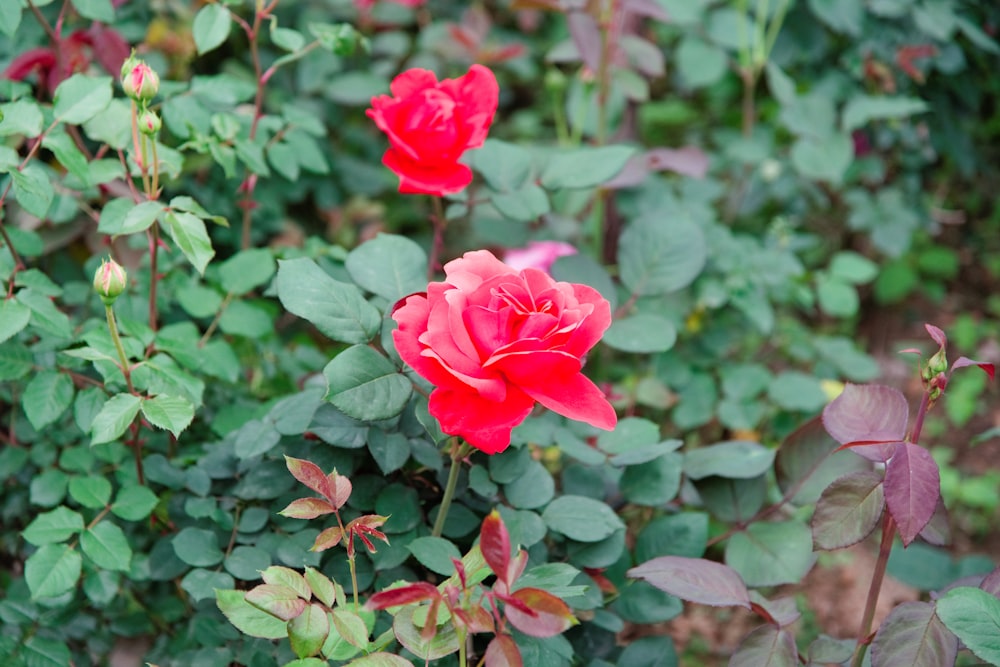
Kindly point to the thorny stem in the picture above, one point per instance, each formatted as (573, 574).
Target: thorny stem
(458, 452)
(440, 223)
(888, 532)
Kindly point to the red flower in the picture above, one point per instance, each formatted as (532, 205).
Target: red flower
(431, 123)
(495, 341)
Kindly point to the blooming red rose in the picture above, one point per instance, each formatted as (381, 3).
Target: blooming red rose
(494, 341)
(431, 123)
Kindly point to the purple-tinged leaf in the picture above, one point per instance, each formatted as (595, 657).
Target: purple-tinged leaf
(826, 649)
(587, 38)
(687, 161)
(403, 595)
(938, 335)
(695, 580)
(310, 474)
(767, 646)
(330, 537)
(913, 636)
(494, 543)
(380, 659)
(868, 413)
(973, 615)
(938, 529)
(538, 613)
(962, 362)
(991, 584)
(502, 651)
(804, 465)
(280, 601)
(848, 510)
(781, 612)
(912, 488)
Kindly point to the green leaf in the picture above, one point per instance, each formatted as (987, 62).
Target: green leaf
(106, 545)
(68, 155)
(654, 483)
(46, 398)
(139, 218)
(173, 413)
(584, 167)
(52, 570)
(188, 232)
(380, 660)
(80, 98)
(435, 553)
(390, 266)
(642, 333)
(823, 158)
(44, 313)
(96, 10)
(201, 584)
(532, 489)
(684, 534)
(197, 547)
(770, 554)
(699, 63)
(337, 309)
(10, 19)
(242, 318)
(836, 297)
(50, 527)
(795, 390)
(15, 361)
(14, 316)
(844, 16)
(658, 255)
(973, 615)
(45, 651)
(580, 518)
(249, 619)
(735, 459)
(211, 27)
(307, 632)
(21, 116)
(853, 268)
(91, 492)
(247, 270)
(116, 415)
(134, 503)
(862, 109)
(286, 38)
(33, 189)
(365, 385)
(505, 166)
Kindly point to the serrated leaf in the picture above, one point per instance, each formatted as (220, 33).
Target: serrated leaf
(848, 510)
(211, 27)
(249, 619)
(322, 588)
(173, 413)
(805, 462)
(307, 632)
(106, 545)
(365, 385)
(139, 218)
(79, 98)
(912, 489)
(771, 553)
(580, 518)
(44, 313)
(52, 570)
(134, 503)
(14, 316)
(115, 416)
(695, 579)
(247, 270)
(189, 233)
(584, 167)
(33, 189)
(50, 527)
(435, 553)
(974, 616)
(913, 636)
(91, 492)
(868, 413)
(47, 397)
(390, 266)
(337, 309)
(767, 646)
(549, 616)
(659, 256)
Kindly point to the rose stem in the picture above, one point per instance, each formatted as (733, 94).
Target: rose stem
(458, 452)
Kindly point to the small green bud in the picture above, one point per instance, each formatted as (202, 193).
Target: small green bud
(555, 81)
(140, 82)
(110, 280)
(149, 123)
(938, 363)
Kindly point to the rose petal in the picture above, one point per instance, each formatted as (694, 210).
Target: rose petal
(417, 178)
(486, 425)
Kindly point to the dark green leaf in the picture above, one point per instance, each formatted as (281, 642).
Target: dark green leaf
(201, 584)
(134, 503)
(769, 554)
(197, 547)
(659, 255)
(737, 459)
(46, 398)
(365, 385)
(105, 544)
(389, 266)
(337, 309)
(52, 570)
(435, 553)
(581, 519)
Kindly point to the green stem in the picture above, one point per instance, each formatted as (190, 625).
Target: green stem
(888, 532)
(113, 329)
(457, 453)
(354, 579)
(463, 660)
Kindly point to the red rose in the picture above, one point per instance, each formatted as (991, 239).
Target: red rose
(431, 123)
(494, 341)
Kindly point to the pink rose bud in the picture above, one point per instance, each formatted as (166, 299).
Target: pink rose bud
(539, 255)
(110, 280)
(140, 82)
(149, 123)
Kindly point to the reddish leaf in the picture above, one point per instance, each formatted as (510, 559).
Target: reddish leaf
(503, 652)
(938, 335)
(587, 38)
(42, 59)
(341, 488)
(848, 510)
(277, 600)
(689, 160)
(804, 464)
(477, 620)
(962, 362)
(781, 612)
(912, 489)
(307, 508)
(547, 615)
(286, 576)
(913, 636)
(695, 579)
(867, 415)
(767, 645)
(112, 50)
(938, 529)
(310, 474)
(408, 594)
(494, 543)
(991, 584)
(328, 538)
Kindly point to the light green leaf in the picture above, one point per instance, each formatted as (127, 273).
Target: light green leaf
(140, 217)
(44, 313)
(390, 266)
(21, 116)
(80, 98)
(249, 619)
(658, 256)
(33, 189)
(189, 233)
(771, 553)
(173, 413)
(50, 527)
(211, 27)
(10, 18)
(52, 570)
(46, 398)
(700, 64)
(580, 518)
(134, 503)
(106, 545)
(91, 492)
(862, 109)
(247, 270)
(116, 415)
(69, 156)
(642, 333)
(365, 385)
(505, 166)
(584, 167)
(836, 297)
(973, 615)
(96, 10)
(201, 584)
(337, 309)
(14, 316)
(823, 159)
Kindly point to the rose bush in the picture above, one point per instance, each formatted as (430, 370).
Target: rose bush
(431, 123)
(494, 341)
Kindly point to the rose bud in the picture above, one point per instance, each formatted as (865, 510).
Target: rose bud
(110, 280)
(140, 82)
(149, 123)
